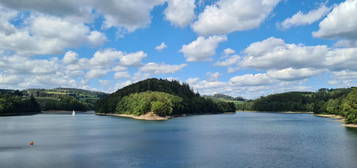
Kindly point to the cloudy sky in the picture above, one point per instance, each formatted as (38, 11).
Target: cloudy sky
(243, 48)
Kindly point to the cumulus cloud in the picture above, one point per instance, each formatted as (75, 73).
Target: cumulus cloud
(290, 74)
(251, 80)
(155, 68)
(212, 76)
(180, 12)
(120, 75)
(274, 53)
(110, 56)
(161, 46)
(9, 79)
(202, 49)
(229, 51)
(340, 23)
(46, 35)
(123, 14)
(132, 59)
(228, 16)
(344, 78)
(105, 57)
(300, 18)
(231, 60)
(95, 73)
(70, 57)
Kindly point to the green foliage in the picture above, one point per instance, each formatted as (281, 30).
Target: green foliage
(290, 101)
(191, 103)
(161, 108)
(349, 107)
(62, 102)
(331, 101)
(11, 103)
(65, 98)
(160, 103)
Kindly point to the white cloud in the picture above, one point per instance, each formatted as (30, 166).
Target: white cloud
(119, 75)
(213, 76)
(229, 51)
(47, 35)
(132, 59)
(97, 38)
(95, 73)
(130, 15)
(274, 53)
(120, 68)
(202, 48)
(123, 14)
(344, 78)
(23, 65)
(340, 22)
(9, 79)
(180, 12)
(300, 18)
(290, 74)
(70, 57)
(228, 16)
(104, 82)
(155, 68)
(106, 57)
(231, 60)
(251, 80)
(161, 46)
(342, 59)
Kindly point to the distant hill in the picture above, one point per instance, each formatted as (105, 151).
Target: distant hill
(157, 94)
(65, 98)
(226, 97)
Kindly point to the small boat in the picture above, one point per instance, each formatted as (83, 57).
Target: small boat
(73, 113)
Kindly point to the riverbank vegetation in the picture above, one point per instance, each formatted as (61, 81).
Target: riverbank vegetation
(31, 101)
(14, 103)
(163, 97)
(341, 102)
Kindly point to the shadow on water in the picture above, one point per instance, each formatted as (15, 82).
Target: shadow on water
(12, 148)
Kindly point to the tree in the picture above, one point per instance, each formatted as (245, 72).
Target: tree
(349, 107)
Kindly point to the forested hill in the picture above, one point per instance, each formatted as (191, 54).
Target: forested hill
(146, 95)
(13, 102)
(65, 98)
(341, 101)
(29, 101)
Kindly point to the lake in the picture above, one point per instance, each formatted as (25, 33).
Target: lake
(205, 141)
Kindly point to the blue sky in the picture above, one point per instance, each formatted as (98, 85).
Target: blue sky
(243, 48)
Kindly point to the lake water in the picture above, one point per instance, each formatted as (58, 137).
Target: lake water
(206, 141)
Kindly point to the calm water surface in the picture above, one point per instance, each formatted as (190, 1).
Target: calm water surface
(207, 141)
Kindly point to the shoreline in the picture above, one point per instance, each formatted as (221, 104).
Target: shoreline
(337, 118)
(153, 117)
(279, 112)
(65, 112)
(148, 116)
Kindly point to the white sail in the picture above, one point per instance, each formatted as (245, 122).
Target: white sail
(73, 113)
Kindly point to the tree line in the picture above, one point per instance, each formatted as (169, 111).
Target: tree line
(181, 99)
(13, 103)
(341, 101)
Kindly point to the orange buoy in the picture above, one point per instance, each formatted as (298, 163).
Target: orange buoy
(31, 143)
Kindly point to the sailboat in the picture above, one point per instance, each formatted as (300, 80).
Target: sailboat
(73, 113)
